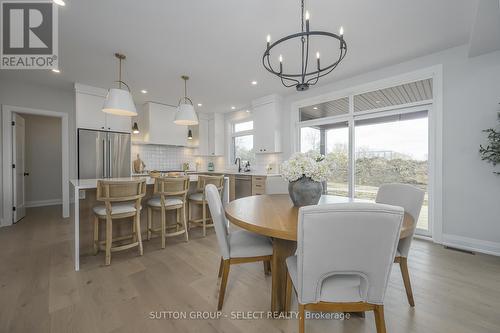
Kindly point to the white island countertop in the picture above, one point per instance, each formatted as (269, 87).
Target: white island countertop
(85, 184)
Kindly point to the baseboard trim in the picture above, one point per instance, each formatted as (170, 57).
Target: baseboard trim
(472, 244)
(41, 203)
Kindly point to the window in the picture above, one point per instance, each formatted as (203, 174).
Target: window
(242, 142)
(382, 138)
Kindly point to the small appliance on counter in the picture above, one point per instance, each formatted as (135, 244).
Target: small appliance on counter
(210, 166)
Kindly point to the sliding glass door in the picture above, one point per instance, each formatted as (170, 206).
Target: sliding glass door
(392, 149)
(376, 137)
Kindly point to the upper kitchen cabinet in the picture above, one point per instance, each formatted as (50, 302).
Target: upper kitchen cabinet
(156, 125)
(88, 105)
(211, 134)
(267, 127)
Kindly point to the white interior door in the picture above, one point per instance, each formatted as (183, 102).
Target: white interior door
(18, 155)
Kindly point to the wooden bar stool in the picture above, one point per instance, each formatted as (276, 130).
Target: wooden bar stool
(122, 199)
(198, 198)
(172, 192)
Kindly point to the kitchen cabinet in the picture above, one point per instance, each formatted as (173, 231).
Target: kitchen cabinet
(267, 127)
(156, 125)
(211, 134)
(88, 106)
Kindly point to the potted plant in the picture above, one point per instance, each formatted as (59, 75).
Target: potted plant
(491, 153)
(306, 172)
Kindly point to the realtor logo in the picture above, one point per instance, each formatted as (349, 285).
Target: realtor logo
(29, 35)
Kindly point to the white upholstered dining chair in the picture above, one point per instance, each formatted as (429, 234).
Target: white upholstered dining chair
(236, 247)
(344, 258)
(411, 199)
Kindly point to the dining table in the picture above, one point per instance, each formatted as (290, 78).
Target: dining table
(275, 216)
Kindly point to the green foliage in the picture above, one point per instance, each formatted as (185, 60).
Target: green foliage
(491, 153)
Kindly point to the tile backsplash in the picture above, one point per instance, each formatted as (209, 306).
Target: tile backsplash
(161, 157)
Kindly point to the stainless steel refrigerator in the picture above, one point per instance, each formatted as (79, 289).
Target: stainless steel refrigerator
(103, 154)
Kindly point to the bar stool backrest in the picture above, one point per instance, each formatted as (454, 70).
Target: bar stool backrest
(121, 191)
(204, 180)
(171, 187)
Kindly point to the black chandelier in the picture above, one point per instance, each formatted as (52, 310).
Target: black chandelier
(305, 78)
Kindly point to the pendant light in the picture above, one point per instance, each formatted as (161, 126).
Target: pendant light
(190, 135)
(119, 101)
(135, 129)
(185, 114)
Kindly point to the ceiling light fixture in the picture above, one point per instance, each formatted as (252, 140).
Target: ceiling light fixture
(59, 2)
(315, 108)
(56, 70)
(185, 114)
(119, 101)
(144, 91)
(135, 129)
(200, 105)
(305, 78)
(254, 83)
(233, 107)
(190, 135)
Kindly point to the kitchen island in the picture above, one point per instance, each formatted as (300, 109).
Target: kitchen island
(85, 199)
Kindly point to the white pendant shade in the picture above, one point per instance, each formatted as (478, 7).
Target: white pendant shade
(119, 102)
(186, 115)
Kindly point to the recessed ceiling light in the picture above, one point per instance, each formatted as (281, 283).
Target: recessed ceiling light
(254, 83)
(59, 2)
(199, 104)
(144, 91)
(248, 111)
(56, 70)
(233, 107)
(315, 108)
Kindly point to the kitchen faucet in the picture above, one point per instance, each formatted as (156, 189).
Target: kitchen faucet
(238, 161)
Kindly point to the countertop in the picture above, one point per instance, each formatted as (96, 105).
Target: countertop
(83, 184)
(225, 172)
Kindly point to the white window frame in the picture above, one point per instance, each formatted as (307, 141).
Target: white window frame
(235, 134)
(435, 118)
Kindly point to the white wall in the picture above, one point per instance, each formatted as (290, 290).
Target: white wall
(471, 93)
(43, 160)
(26, 94)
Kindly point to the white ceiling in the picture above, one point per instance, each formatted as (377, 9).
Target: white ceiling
(219, 43)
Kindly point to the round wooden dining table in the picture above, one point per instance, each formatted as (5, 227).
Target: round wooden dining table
(275, 216)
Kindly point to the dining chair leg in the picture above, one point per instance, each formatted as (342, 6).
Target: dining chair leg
(301, 318)
(403, 264)
(288, 299)
(163, 222)
(137, 223)
(109, 239)
(225, 273)
(150, 222)
(96, 235)
(204, 216)
(220, 267)
(379, 318)
(267, 267)
(186, 234)
(177, 219)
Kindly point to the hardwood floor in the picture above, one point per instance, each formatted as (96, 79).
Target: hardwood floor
(40, 292)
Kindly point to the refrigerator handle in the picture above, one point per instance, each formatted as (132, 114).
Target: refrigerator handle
(110, 159)
(104, 163)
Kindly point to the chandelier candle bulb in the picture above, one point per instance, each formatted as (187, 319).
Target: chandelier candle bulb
(268, 39)
(341, 31)
(307, 20)
(317, 58)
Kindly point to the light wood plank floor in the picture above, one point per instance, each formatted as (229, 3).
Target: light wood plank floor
(40, 292)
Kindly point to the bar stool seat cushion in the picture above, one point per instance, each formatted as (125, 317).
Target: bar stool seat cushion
(196, 196)
(118, 208)
(156, 202)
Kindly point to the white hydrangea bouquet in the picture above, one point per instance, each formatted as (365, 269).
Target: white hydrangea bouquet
(306, 172)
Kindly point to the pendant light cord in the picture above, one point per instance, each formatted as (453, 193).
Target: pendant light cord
(120, 72)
